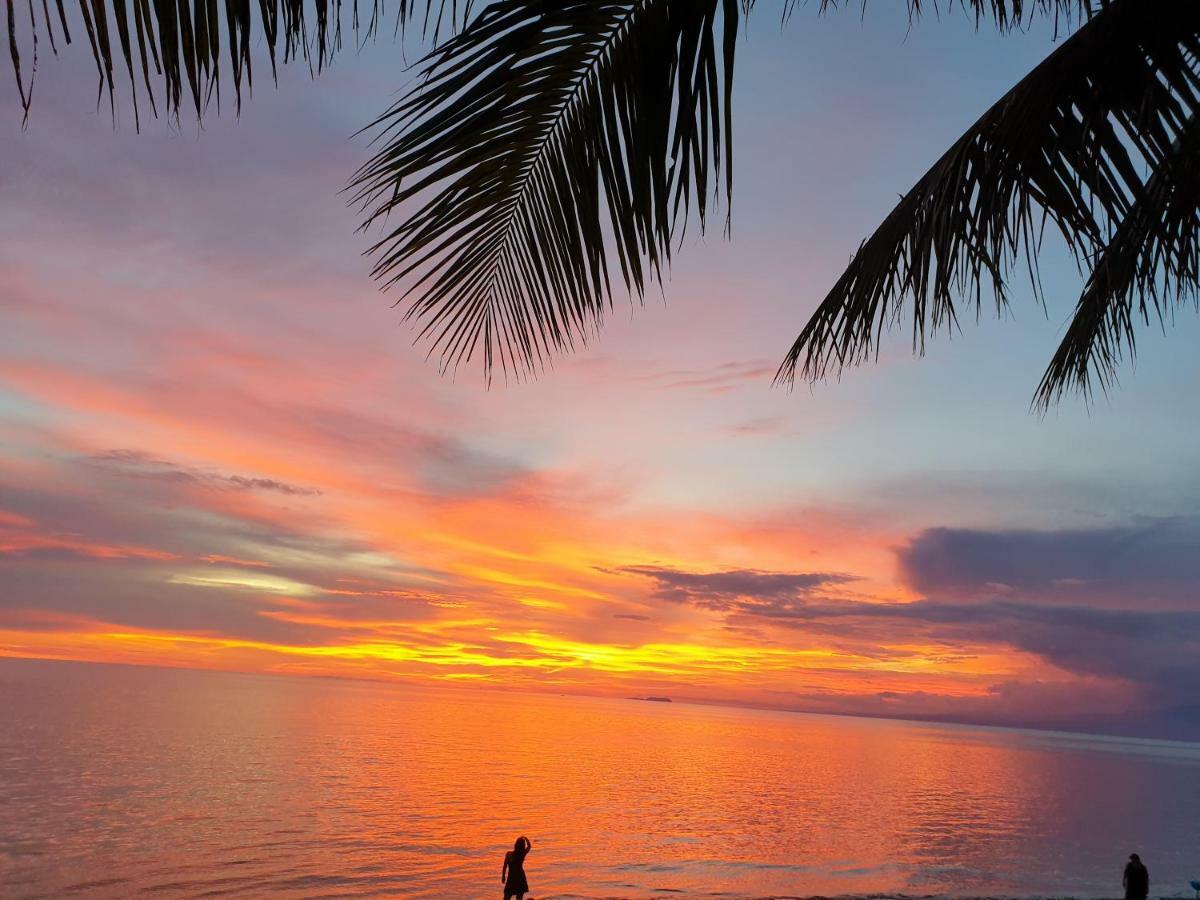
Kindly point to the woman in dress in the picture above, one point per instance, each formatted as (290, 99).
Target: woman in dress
(1137, 879)
(513, 873)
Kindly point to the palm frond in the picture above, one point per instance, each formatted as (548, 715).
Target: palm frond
(1064, 146)
(1004, 14)
(183, 46)
(543, 136)
(1152, 262)
(1008, 14)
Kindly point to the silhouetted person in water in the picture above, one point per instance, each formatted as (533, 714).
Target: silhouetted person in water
(1137, 879)
(513, 873)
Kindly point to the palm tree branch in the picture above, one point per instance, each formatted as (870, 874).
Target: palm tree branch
(539, 141)
(181, 41)
(1006, 15)
(1061, 147)
(1154, 256)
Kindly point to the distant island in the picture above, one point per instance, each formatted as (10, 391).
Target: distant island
(653, 699)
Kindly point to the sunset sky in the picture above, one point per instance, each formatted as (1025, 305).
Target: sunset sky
(219, 448)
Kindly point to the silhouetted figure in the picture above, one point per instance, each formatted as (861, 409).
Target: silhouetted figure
(513, 873)
(1137, 879)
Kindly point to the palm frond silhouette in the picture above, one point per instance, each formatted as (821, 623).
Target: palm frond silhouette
(173, 52)
(550, 149)
(1066, 146)
(541, 133)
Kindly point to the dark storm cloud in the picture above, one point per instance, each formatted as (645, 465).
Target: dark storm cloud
(1155, 561)
(734, 589)
(135, 464)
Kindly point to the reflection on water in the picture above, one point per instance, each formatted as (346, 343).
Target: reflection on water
(118, 780)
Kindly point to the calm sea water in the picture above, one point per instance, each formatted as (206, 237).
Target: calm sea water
(119, 781)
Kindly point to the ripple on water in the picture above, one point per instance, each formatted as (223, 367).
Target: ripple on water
(215, 785)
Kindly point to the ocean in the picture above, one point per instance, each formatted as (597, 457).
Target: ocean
(119, 781)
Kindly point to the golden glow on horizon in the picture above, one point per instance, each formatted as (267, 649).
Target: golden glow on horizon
(566, 662)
